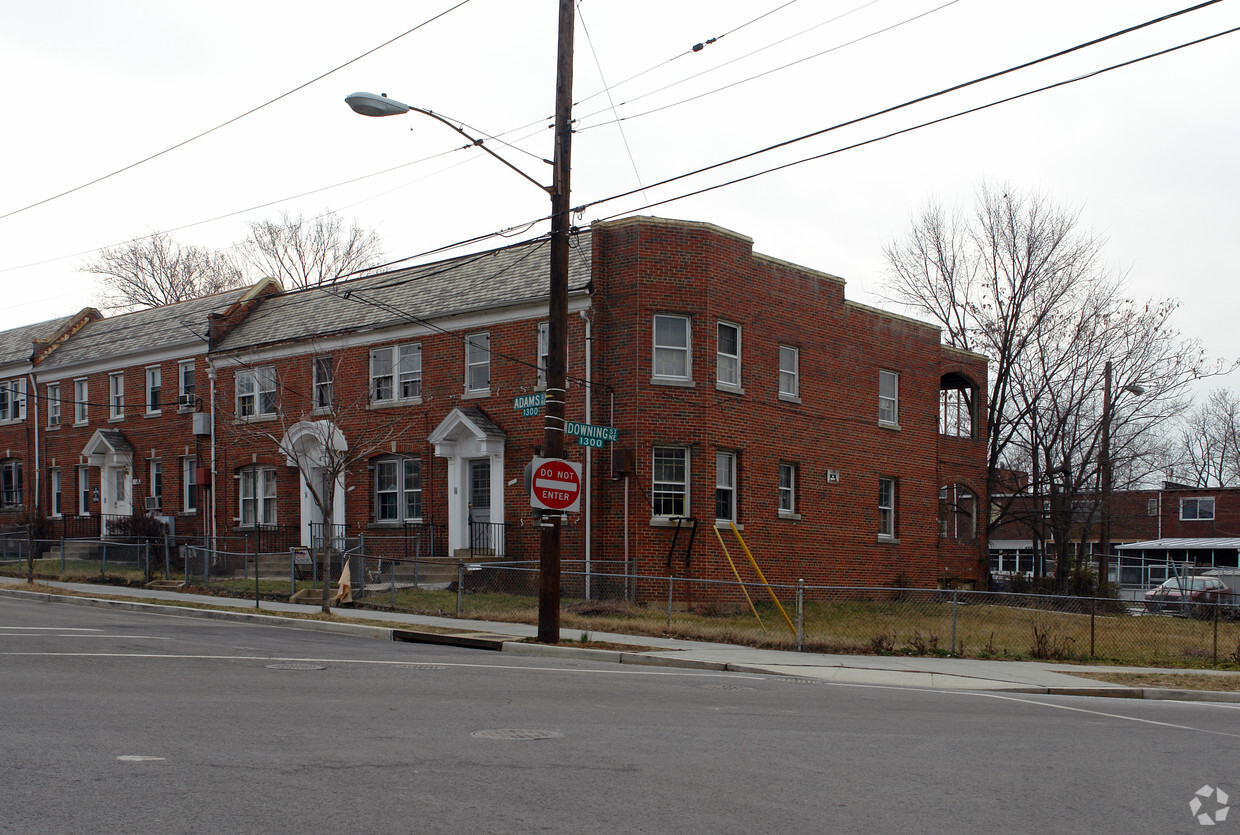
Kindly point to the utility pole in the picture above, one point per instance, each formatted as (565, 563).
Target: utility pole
(557, 328)
(1104, 467)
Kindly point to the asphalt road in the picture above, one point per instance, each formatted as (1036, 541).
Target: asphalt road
(129, 722)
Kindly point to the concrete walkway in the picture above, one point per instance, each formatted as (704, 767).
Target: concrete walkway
(895, 671)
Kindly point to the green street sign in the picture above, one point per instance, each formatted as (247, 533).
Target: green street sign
(590, 435)
(529, 404)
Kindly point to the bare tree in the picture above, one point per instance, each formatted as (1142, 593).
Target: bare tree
(156, 270)
(1019, 282)
(1208, 453)
(324, 432)
(303, 252)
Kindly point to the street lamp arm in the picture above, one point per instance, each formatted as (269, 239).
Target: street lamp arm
(368, 104)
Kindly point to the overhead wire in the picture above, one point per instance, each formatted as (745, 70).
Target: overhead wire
(234, 119)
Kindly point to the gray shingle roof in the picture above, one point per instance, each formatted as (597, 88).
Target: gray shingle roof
(470, 282)
(17, 345)
(143, 330)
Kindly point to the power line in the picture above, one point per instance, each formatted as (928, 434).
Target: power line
(249, 112)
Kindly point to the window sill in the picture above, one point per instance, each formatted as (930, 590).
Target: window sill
(185, 410)
(117, 419)
(388, 524)
(788, 514)
(241, 421)
(671, 522)
(476, 395)
(679, 382)
(886, 424)
(728, 387)
(188, 513)
(153, 414)
(726, 525)
(393, 404)
(81, 423)
(54, 428)
(888, 540)
(789, 398)
(8, 421)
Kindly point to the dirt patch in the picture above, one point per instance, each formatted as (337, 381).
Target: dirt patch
(594, 645)
(1177, 681)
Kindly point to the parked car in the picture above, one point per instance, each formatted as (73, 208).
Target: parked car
(1231, 597)
(1179, 594)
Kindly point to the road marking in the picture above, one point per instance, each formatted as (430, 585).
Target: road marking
(50, 628)
(138, 758)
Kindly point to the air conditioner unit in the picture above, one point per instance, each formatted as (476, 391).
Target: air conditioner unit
(186, 400)
(152, 502)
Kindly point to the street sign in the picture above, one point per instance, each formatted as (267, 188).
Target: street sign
(554, 484)
(590, 435)
(529, 404)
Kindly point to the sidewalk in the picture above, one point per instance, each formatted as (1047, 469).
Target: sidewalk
(894, 671)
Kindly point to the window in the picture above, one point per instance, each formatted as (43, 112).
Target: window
(956, 413)
(789, 372)
(258, 496)
(185, 382)
(324, 379)
(1197, 509)
(256, 392)
(157, 483)
(671, 481)
(13, 399)
(81, 399)
(10, 483)
(478, 362)
(396, 373)
(1151, 507)
(888, 398)
(671, 349)
(83, 474)
(57, 510)
(887, 508)
(53, 404)
(153, 387)
(728, 356)
(398, 489)
(725, 486)
(957, 513)
(544, 351)
(116, 396)
(787, 489)
(189, 476)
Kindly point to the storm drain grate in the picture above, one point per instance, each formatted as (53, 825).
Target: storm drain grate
(735, 688)
(295, 665)
(421, 666)
(516, 733)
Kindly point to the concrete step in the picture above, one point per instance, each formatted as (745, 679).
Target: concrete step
(166, 585)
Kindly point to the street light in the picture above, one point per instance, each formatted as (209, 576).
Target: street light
(1104, 465)
(368, 104)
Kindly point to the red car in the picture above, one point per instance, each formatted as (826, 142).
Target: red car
(1179, 593)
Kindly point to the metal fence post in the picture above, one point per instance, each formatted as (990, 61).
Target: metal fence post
(800, 613)
(256, 580)
(103, 566)
(292, 572)
(670, 583)
(146, 548)
(1216, 605)
(392, 573)
(1093, 609)
(955, 596)
(460, 585)
(62, 557)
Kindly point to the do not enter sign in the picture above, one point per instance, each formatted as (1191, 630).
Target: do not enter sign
(554, 484)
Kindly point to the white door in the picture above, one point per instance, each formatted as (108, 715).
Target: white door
(480, 504)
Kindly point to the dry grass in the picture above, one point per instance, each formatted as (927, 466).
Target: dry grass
(1218, 682)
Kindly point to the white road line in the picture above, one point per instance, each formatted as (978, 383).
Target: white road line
(50, 628)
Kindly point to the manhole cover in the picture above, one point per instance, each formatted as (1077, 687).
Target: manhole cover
(731, 687)
(516, 733)
(294, 665)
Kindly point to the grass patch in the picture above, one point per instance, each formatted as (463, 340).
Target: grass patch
(1226, 682)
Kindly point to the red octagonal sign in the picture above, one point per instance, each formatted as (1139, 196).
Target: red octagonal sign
(555, 484)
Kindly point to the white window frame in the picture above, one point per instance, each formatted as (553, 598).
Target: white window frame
(186, 383)
(189, 485)
(11, 486)
(154, 389)
(663, 354)
(157, 480)
(116, 395)
(787, 487)
(83, 490)
(1197, 502)
(669, 489)
(887, 498)
(401, 476)
(57, 495)
(255, 392)
(889, 398)
(256, 496)
(323, 370)
(81, 401)
(727, 365)
(478, 363)
(726, 487)
(789, 378)
(13, 400)
(53, 404)
(401, 366)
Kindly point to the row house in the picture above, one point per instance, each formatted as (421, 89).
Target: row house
(844, 443)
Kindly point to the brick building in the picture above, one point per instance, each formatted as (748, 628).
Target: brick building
(845, 443)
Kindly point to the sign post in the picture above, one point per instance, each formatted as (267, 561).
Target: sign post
(554, 484)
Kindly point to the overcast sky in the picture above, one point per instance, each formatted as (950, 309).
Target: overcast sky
(1148, 153)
